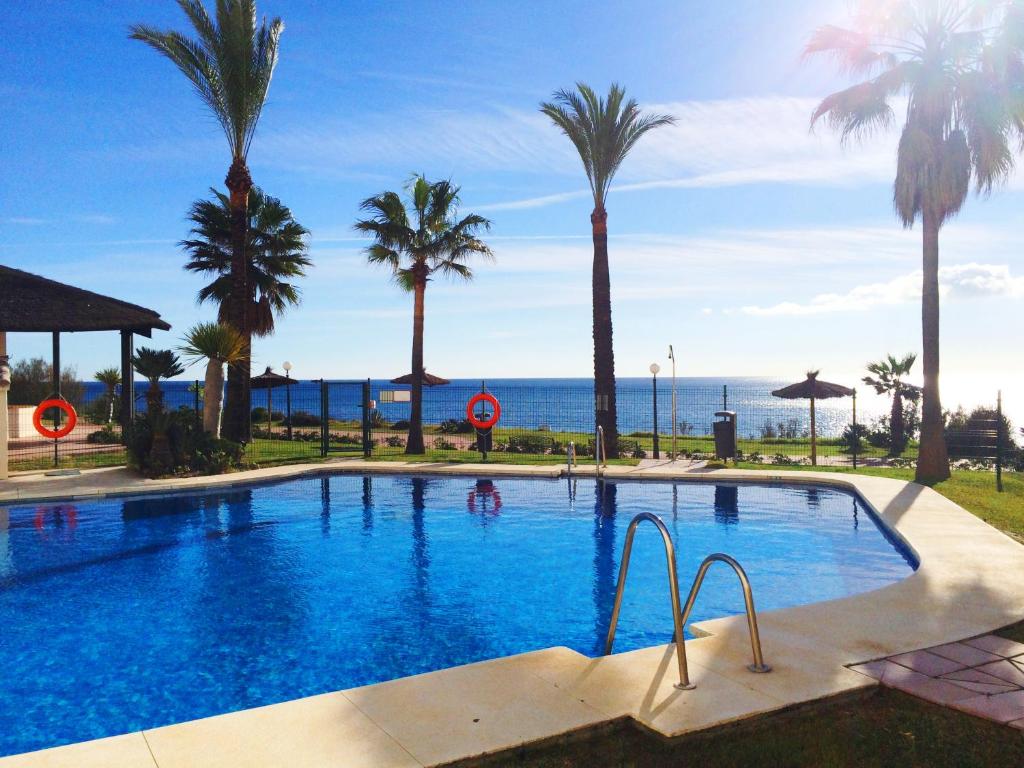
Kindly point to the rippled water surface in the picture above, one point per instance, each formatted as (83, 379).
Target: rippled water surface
(118, 615)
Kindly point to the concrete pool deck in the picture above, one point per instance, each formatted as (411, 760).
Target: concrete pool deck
(967, 585)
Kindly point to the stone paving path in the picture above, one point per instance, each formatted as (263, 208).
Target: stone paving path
(983, 676)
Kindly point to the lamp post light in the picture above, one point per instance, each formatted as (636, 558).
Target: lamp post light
(654, 391)
(288, 397)
(672, 357)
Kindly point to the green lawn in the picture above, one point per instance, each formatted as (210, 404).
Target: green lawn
(887, 729)
(974, 491)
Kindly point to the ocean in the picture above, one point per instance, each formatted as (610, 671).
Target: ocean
(568, 404)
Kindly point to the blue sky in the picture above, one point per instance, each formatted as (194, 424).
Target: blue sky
(752, 245)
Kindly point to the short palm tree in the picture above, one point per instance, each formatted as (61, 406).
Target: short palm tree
(416, 243)
(276, 251)
(888, 378)
(603, 130)
(230, 63)
(111, 379)
(218, 344)
(154, 365)
(956, 129)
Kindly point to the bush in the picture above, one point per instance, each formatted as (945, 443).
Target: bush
(455, 427)
(974, 435)
(175, 443)
(401, 424)
(530, 444)
(440, 444)
(32, 382)
(303, 419)
(377, 420)
(394, 441)
(853, 438)
(260, 415)
(105, 436)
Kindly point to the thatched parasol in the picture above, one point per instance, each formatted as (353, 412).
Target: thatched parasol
(270, 381)
(812, 389)
(429, 380)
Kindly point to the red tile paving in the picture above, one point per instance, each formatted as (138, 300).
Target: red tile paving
(983, 676)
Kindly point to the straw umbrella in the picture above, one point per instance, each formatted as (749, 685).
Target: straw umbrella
(812, 389)
(429, 380)
(269, 381)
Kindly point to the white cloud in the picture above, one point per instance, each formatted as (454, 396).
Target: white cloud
(955, 282)
(716, 143)
(27, 221)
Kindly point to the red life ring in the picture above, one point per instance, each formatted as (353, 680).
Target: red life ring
(483, 397)
(54, 434)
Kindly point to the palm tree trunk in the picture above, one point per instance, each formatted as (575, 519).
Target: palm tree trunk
(213, 388)
(236, 409)
(896, 423)
(414, 444)
(604, 356)
(933, 460)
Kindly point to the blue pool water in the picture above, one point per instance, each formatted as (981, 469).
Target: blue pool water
(118, 615)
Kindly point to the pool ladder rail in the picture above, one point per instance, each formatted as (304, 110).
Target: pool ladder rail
(600, 452)
(679, 617)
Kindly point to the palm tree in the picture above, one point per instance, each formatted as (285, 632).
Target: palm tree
(432, 240)
(956, 129)
(218, 344)
(888, 379)
(275, 250)
(230, 64)
(155, 365)
(109, 378)
(603, 132)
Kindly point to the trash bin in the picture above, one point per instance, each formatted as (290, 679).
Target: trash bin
(725, 434)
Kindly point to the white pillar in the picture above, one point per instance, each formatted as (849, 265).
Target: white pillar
(4, 385)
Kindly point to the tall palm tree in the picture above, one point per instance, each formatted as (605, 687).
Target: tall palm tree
(603, 130)
(230, 63)
(416, 243)
(218, 344)
(109, 378)
(275, 251)
(889, 379)
(955, 129)
(154, 365)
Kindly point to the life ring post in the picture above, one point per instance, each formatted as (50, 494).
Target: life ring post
(61, 404)
(483, 421)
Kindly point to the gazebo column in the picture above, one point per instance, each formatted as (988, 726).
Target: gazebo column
(5, 383)
(127, 383)
(55, 374)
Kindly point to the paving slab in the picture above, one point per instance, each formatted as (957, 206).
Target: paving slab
(129, 751)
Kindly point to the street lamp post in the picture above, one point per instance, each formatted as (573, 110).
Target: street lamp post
(654, 372)
(288, 397)
(672, 357)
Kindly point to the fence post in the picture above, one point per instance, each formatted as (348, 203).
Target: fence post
(367, 448)
(999, 441)
(195, 391)
(725, 397)
(856, 436)
(325, 433)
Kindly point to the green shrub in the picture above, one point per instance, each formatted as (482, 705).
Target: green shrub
(530, 444)
(105, 436)
(440, 444)
(455, 427)
(260, 415)
(303, 419)
(174, 442)
(394, 441)
(401, 424)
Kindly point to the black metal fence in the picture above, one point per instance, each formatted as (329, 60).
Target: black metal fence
(540, 419)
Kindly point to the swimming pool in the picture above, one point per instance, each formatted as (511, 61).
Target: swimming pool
(123, 614)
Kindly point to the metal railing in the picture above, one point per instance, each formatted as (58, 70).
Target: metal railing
(601, 453)
(679, 617)
(684, 683)
(748, 600)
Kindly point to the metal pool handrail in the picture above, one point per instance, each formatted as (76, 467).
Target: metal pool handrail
(600, 452)
(673, 588)
(570, 457)
(748, 599)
